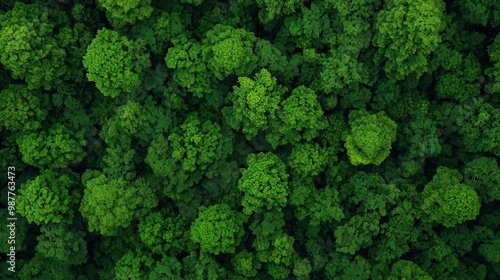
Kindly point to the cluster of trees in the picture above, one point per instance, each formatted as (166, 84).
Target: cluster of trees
(251, 139)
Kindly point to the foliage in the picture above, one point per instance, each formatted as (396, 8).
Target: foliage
(190, 70)
(447, 201)
(481, 12)
(110, 203)
(22, 109)
(342, 267)
(121, 13)
(408, 270)
(218, 229)
(254, 103)
(115, 63)
(166, 268)
(408, 32)
(264, 182)
(49, 198)
(39, 268)
(494, 71)
(370, 138)
(245, 264)
(308, 159)
(229, 51)
(62, 244)
(55, 147)
(250, 139)
(161, 234)
(270, 9)
(356, 233)
(301, 117)
(483, 174)
(29, 45)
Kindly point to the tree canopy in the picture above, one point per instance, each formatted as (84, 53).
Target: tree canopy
(250, 139)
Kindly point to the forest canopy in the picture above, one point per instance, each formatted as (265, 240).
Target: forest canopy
(250, 139)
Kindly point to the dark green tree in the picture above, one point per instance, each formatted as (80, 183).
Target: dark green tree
(121, 13)
(228, 50)
(29, 45)
(300, 118)
(483, 174)
(408, 32)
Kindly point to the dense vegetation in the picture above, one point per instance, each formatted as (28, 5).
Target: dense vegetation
(251, 139)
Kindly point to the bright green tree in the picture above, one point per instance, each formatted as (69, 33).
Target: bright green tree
(300, 118)
(63, 244)
(111, 203)
(49, 198)
(408, 32)
(55, 147)
(218, 229)
(229, 51)
(448, 201)
(115, 63)
(120, 13)
(264, 183)
(370, 138)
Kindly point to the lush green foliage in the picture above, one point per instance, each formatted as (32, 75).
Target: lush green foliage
(408, 31)
(49, 198)
(115, 63)
(22, 109)
(218, 229)
(250, 139)
(370, 138)
(29, 46)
